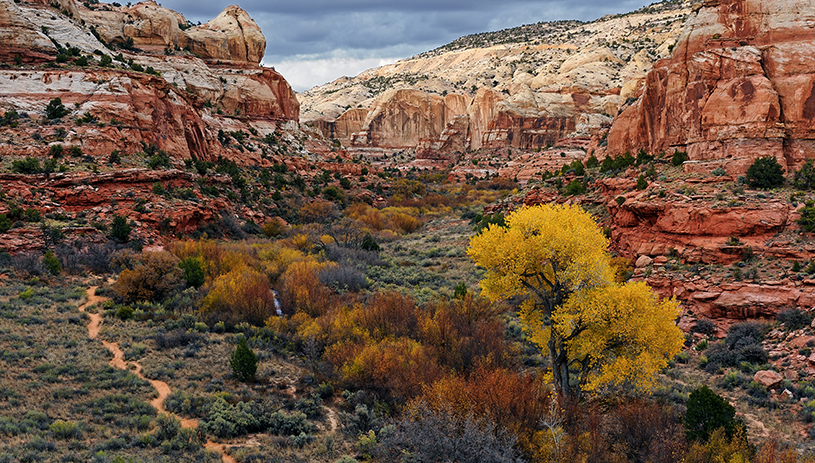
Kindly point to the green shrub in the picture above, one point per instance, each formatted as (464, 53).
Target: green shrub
(369, 243)
(641, 182)
(120, 229)
(193, 271)
(10, 118)
(592, 162)
(55, 109)
(718, 172)
(794, 319)
(575, 187)
(65, 430)
(244, 362)
(159, 159)
(28, 165)
(707, 412)
(807, 219)
(643, 157)
(5, 223)
(679, 158)
(765, 173)
(805, 177)
(51, 263)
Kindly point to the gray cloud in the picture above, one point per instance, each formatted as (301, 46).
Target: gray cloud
(369, 31)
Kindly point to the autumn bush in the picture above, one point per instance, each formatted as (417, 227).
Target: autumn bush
(150, 276)
(243, 294)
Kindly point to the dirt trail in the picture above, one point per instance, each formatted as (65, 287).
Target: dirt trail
(118, 361)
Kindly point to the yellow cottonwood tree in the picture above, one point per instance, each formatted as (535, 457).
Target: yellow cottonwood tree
(555, 258)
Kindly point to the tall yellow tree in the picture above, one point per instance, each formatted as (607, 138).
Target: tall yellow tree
(554, 257)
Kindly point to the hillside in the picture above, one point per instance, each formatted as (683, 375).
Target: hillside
(525, 87)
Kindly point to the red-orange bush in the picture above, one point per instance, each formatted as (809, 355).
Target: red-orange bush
(152, 277)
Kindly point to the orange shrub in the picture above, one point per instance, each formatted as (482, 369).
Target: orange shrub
(301, 290)
(153, 276)
(243, 294)
(464, 332)
(318, 211)
(399, 367)
(389, 314)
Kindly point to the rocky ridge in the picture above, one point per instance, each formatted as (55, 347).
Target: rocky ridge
(133, 81)
(524, 88)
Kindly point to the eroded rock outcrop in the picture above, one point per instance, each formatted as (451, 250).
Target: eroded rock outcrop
(739, 85)
(233, 36)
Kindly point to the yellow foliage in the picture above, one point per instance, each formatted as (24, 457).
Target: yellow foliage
(275, 259)
(243, 294)
(542, 246)
(217, 258)
(301, 290)
(555, 258)
(620, 334)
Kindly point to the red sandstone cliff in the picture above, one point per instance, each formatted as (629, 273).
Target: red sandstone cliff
(181, 110)
(739, 85)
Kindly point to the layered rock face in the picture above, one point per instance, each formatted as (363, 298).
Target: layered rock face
(739, 85)
(132, 102)
(181, 110)
(20, 38)
(231, 37)
(523, 88)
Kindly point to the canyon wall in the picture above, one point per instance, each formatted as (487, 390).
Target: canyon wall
(523, 88)
(180, 106)
(740, 84)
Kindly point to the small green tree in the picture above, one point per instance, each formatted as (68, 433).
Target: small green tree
(369, 243)
(55, 109)
(575, 187)
(193, 271)
(460, 291)
(244, 362)
(807, 219)
(120, 229)
(641, 182)
(805, 177)
(707, 412)
(51, 263)
(765, 173)
(679, 158)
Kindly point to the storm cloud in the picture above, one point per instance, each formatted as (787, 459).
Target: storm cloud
(315, 41)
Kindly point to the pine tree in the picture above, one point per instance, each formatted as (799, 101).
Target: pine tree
(244, 362)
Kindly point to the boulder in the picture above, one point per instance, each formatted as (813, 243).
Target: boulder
(643, 261)
(768, 378)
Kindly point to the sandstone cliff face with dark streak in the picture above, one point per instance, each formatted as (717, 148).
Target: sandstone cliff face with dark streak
(740, 84)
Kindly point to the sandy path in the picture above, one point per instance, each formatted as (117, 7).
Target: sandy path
(118, 361)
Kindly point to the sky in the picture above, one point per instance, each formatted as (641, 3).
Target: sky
(312, 42)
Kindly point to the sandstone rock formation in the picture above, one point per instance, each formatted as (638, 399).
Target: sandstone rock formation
(737, 87)
(179, 110)
(522, 88)
(20, 37)
(231, 37)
